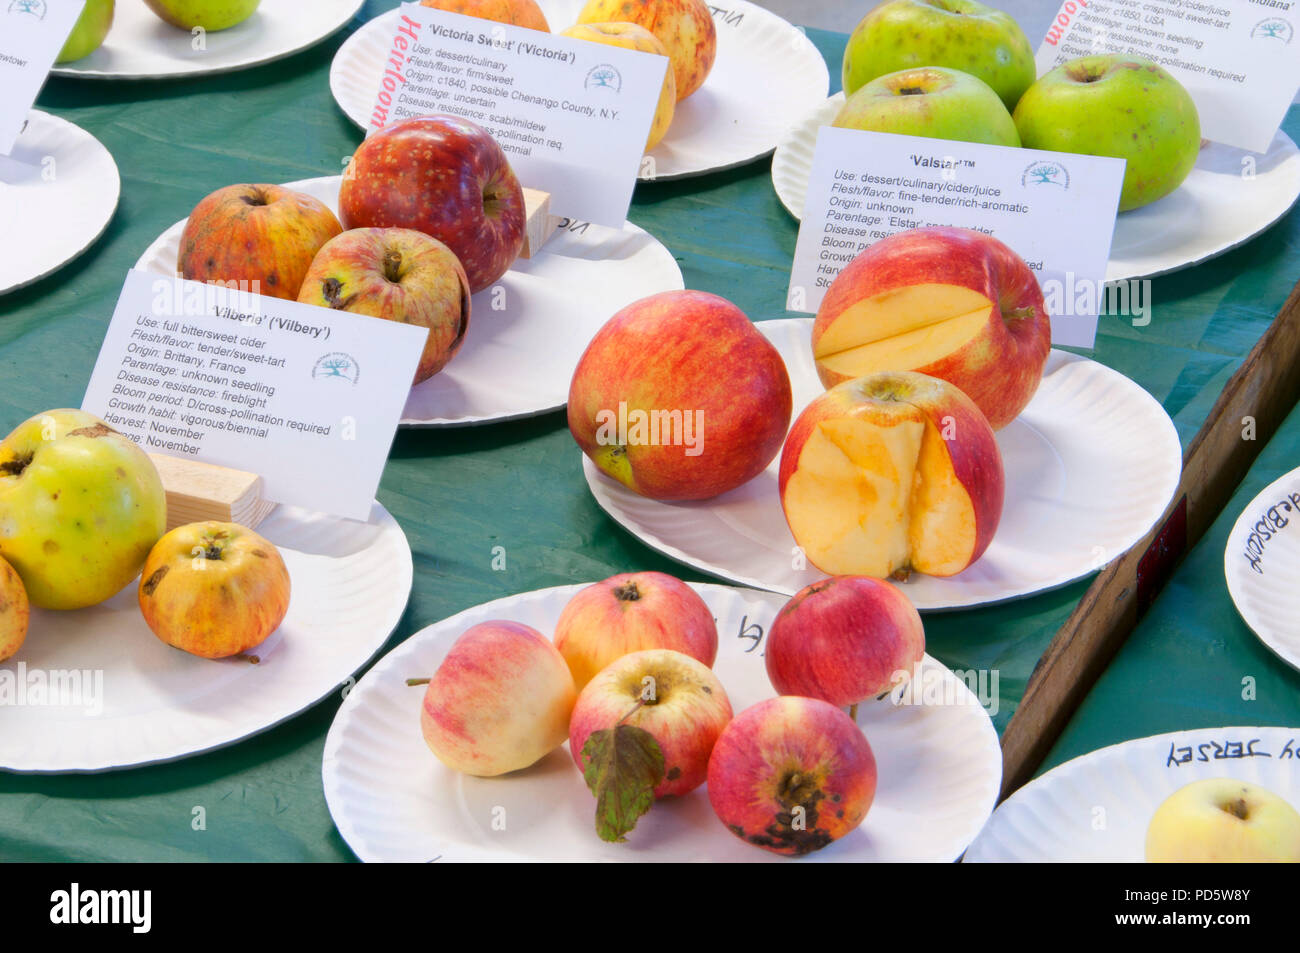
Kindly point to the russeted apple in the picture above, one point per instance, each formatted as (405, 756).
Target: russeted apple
(892, 473)
(525, 13)
(948, 302)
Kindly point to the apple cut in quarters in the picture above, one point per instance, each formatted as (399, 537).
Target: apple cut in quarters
(892, 473)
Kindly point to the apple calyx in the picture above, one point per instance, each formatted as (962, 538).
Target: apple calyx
(17, 465)
(628, 592)
(257, 199)
(1236, 808)
(911, 91)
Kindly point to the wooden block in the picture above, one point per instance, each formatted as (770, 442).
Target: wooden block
(541, 223)
(202, 491)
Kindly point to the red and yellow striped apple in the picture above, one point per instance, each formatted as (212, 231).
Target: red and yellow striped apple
(525, 13)
(500, 701)
(679, 397)
(629, 36)
(890, 473)
(684, 27)
(15, 611)
(791, 775)
(948, 302)
(685, 709)
(631, 612)
(844, 640)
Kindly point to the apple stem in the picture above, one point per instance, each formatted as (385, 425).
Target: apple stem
(640, 702)
(412, 682)
(853, 711)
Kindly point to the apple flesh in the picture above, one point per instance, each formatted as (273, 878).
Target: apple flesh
(15, 611)
(88, 32)
(499, 702)
(214, 589)
(679, 397)
(80, 508)
(685, 709)
(1120, 106)
(892, 473)
(844, 640)
(525, 13)
(265, 235)
(684, 27)
(932, 102)
(629, 36)
(792, 775)
(948, 302)
(400, 275)
(1220, 820)
(958, 34)
(211, 15)
(631, 612)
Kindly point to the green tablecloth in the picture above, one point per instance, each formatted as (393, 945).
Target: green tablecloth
(459, 493)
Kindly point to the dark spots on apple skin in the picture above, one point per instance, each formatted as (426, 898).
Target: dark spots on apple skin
(673, 773)
(212, 264)
(50, 547)
(260, 554)
(836, 798)
(707, 690)
(121, 474)
(151, 584)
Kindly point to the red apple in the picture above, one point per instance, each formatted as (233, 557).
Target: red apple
(446, 177)
(398, 274)
(499, 702)
(889, 473)
(948, 302)
(686, 709)
(631, 612)
(679, 397)
(15, 611)
(844, 640)
(255, 233)
(791, 775)
(684, 27)
(525, 13)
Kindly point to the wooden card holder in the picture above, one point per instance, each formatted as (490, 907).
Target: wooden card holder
(541, 224)
(203, 491)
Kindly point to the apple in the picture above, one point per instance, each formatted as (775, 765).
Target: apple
(80, 508)
(949, 302)
(844, 640)
(88, 32)
(1220, 820)
(791, 775)
(933, 102)
(1120, 106)
(500, 701)
(629, 36)
(679, 397)
(214, 589)
(681, 704)
(398, 274)
(525, 13)
(15, 611)
(265, 234)
(958, 34)
(631, 612)
(446, 177)
(211, 15)
(684, 27)
(890, 473)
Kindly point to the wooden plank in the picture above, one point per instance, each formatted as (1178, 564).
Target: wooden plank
(1265, 388)
(541, 224)
(202, 491)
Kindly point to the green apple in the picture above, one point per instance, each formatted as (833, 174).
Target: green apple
(1220, 820)
(1121, 106)
(212, 15)
(930, 101)
(80, 508)
(89, 31)
(959, 34)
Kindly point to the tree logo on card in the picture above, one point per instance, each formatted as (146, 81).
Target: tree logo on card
(338, 365)
(604, 76)
(1274, 28)
(35, 8)
(1046, 173)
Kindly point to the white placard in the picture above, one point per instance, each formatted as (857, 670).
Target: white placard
(308, 397)
(32, 32)
(571, 115)
(1237, 58)
(1056, 211)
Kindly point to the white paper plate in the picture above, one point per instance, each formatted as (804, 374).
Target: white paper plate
(58, 190)
(141, 46)
(1091, 464)
(766, 77)
(1097, 807)
(939, 765)
(1230, 197)
(350, 584)
(1267, 536)
(516, 362)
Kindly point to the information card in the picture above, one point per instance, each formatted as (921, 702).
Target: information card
(32, 32)
(308, 397)
(1056, 211)
(1237, 58)
(571, 115)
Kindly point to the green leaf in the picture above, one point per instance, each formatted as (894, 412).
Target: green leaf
(622, 766)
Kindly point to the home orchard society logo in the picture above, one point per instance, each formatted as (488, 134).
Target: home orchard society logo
(651, 428)
(1046, 173)
(338, 365)
(34, 8)
(1274, 28)
(604, 76)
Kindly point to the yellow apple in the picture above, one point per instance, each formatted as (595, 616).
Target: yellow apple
(1220, 820)
(14, 611)
(525, 13)
(629, 36)
(684, 27)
